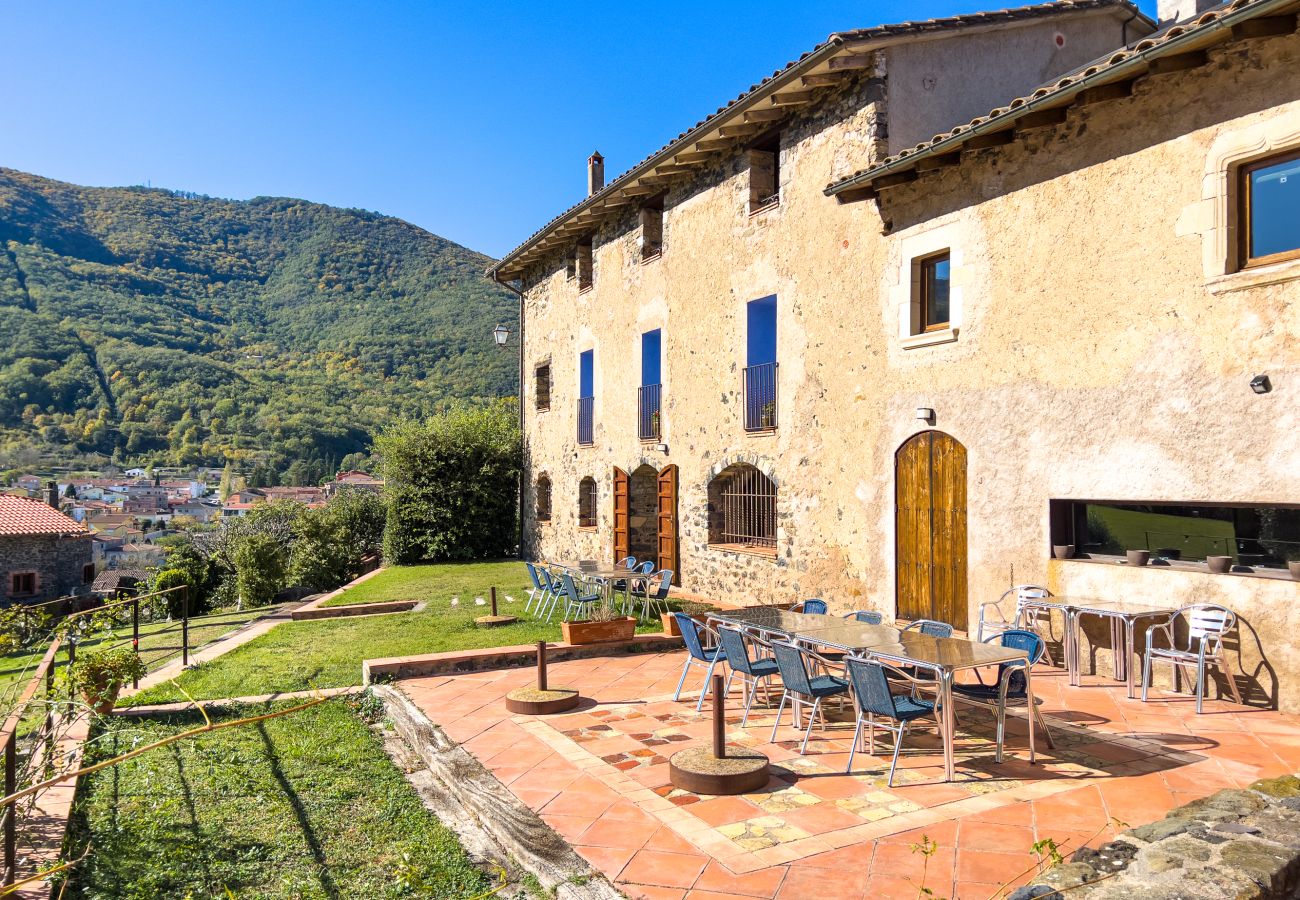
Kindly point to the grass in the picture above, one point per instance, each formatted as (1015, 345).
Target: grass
(307, 806)
(323, 653)
(440, 582)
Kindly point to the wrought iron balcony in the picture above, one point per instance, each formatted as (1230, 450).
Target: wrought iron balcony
(649, 414)
(760, 397)
(586, 419)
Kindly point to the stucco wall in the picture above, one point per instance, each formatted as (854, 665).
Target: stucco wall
(1095, 357)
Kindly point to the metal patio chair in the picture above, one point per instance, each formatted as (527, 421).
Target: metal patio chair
(575, 601)
(993, 618)
(800, 685)
(635, 585)
(735, 644)
(867, 617)
(875, 702)
(540, 592)
(697, 654)
(813, 607)
(652, 598)
(1202, 647)
(930, 627)
(554, 589)
(1010, 685)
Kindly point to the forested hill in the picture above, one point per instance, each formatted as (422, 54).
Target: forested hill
(160, 325)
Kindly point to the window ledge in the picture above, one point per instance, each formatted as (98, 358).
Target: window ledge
(1258, 276)
(542, 409)
(658, 254)
(930, 338)
(759, 432)
(586, 527)
(772, 204)
(584, 290)
(1175, 565)
(543, 521)
(745, 550)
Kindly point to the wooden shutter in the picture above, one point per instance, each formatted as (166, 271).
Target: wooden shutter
(948, 530)
(912, 524)
(622, 485)
(667, 492)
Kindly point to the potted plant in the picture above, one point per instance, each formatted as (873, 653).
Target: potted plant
(693, 608)
(604, 624)
(1139, 557)
(1218, 564)
(1063, 551)
(101, 674)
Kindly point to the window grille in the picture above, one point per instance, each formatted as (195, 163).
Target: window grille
(743, 508)
(587, 503)
(543, 499)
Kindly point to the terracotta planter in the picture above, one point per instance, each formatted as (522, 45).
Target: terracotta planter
(1063, 551)
(1294, 568)
(100, 700)
(620, 629)
(670, 624)
(1219, 565)
(1139, 557)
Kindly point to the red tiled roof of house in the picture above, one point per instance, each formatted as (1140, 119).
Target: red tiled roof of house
(19, 515)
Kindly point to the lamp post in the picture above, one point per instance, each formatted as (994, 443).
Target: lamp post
(500, 335)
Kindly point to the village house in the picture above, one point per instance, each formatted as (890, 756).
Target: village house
(43, 553)
(936, 304)
(354, 479)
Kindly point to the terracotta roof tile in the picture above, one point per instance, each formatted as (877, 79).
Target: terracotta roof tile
(22, 516)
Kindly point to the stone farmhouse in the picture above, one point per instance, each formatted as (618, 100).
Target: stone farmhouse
(943, 307)
(43, 553)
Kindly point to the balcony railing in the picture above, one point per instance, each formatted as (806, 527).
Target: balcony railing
(648, 412)
(760, 397)
(586, 419)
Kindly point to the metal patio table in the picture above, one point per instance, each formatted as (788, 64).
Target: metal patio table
(1123, 616)
(603, 573)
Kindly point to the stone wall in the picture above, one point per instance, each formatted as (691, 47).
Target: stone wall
(1233, 845)
(59, 563)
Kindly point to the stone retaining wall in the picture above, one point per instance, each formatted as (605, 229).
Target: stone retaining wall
(1233, 845)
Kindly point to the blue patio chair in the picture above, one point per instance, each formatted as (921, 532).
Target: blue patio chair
(575, 601)
(540, 592)
(635, 586)
(652, 598)
(877, 705)
(930, 627)
(799, 685)
(551, 582)
(1010, 685)
(811, 607)
(696, 654)
(866, 617)
(735, 644)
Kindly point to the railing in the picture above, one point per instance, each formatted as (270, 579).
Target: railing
(586, 419)
(648, 412)
(760, 397)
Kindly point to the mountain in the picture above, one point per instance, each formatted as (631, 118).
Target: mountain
(166, 326)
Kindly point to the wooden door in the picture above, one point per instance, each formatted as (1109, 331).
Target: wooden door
(622, 499)
(667, 491)
(930, 479)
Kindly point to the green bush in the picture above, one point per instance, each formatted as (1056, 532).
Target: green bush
(453, 485)
(331, 543)
(259, 569)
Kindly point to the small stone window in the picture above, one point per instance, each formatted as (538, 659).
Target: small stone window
(1268, 196)
(543, 498)
(587, 499)
(22, 584)
(542, 386)
(742, 509)
(586, 275)
(765, 173)
(571, 264)
(652, 229)
(932, 280)
(88, 573)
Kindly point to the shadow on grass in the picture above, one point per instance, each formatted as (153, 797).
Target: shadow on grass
(300, 812)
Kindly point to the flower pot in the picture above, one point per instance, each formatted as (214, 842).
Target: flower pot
(100, 698)
(1294, 568)
(1218, 564)
(670, 624)
(1139, 557)
(1063, 551)
(620, 629)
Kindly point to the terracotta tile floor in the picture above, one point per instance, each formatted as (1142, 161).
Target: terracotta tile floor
(599, 777)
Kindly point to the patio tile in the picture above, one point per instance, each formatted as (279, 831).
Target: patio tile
(668, 840)
(821, 818)
(660, 869)
(823, 884)
(609, 861)
(986, 867)
(718, 878)
(725, 810)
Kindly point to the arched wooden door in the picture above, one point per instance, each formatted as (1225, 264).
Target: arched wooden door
(930, 485)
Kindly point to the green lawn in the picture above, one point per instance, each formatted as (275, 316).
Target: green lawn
(441, 582)
(305, 806)
(323, 653)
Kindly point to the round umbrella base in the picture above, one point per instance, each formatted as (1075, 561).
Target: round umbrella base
(494, 621)
(741, 771)
(532, 702)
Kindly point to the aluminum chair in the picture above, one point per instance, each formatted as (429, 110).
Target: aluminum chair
(697, 654)
(554, 589)
(735, 644)
(1010, 685)
(801, 685)
(653, 598)
(810, 607)
(993, 619)
(930, 627)
(1202, 647)
(875, 702)
(636, 585)
(575, 601)
(866, 617)
(540, 592)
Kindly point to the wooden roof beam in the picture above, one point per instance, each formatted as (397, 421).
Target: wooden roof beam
(740, 130)
(856, 194)
(855, 61)
(764, 115)
(894, 179)
(1179, 62)
(793, 98)
(1041, 118)
(672, 169)
(711, 144)
(1113, 91)
(942, 161)
(639, 190)
(693, 156)
(992, 139)
(828, 79)
(1264, 26)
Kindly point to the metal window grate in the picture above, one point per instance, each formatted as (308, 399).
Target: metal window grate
(760, 397)
(543, 382)
(748, 500)
(586, 420)
(543, 499)
(587, 503)
(648, 412)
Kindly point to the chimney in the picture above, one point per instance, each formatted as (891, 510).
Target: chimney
(595, 173)
(52, 493)
(1171, 11)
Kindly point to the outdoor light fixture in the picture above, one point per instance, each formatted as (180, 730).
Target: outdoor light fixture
(500, 334)
(925, 414)
(1260, 384)
(662, 448)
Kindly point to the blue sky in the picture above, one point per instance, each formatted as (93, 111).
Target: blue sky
(471, 120)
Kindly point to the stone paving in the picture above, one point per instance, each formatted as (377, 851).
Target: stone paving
(599, 777)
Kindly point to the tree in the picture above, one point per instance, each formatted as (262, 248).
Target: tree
(259, 569)
(452, 485)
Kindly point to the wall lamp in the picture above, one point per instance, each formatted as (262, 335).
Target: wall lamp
(501, 334)
(925, 414)
(1260, 384)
